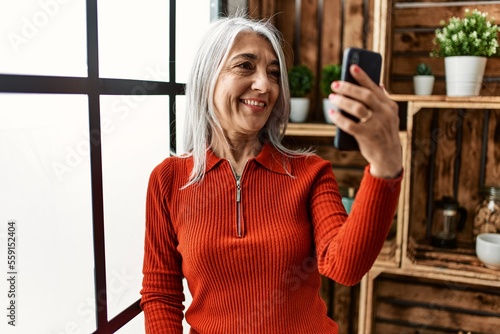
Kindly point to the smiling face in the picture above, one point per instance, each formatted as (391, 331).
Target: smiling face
(248, 86)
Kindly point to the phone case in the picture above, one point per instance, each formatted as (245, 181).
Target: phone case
(371, 63)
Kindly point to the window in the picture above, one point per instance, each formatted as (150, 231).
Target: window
(88, 98)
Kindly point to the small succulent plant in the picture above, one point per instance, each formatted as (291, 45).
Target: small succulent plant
(423, 69)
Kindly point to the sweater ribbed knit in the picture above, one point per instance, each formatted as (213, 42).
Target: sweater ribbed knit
(253, 257)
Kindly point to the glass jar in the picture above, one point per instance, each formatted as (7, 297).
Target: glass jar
(487, 216)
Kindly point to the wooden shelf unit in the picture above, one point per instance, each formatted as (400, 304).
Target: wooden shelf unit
(423, 266)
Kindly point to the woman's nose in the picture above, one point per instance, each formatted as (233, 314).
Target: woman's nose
(261, 82)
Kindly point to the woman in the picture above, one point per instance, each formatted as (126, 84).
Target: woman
(250, 224)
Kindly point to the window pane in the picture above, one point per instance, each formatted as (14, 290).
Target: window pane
(45, 187)
(187, 38)
(43, 37)
(180, 116)
(133, 39)
(135, 139)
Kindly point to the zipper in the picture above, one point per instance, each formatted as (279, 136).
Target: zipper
(238, 207)
(239, 228)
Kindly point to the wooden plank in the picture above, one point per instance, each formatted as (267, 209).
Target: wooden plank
(311, 129)
(492, 175)
(406, 65)
(468, 192)
(447, 294)
(284, 18)
(343, 159)
(413, 41)
(353, 21)
(386, 327)
(261, 8)
(421, 152)
(406, 87)
(369, 24)
(383, 34)
(331, 38)
(309, 46)
(440, 264)
(428, 15)
(445, 155)
(342, 307)
(433, 315)
(348, 178)
(425, 304)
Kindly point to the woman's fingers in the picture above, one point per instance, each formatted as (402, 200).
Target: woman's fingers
(376, 130)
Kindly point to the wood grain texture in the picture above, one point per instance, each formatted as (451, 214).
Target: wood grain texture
(433, 306)
(430, 16)
(421, 154)
(354, 21)
(446, 154)
(310, 47)
(492, 175)
(468, 191)
(331, 39)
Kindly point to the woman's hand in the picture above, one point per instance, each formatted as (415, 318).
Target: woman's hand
(377, 133)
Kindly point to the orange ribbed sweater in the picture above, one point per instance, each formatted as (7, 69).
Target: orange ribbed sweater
(252, 257)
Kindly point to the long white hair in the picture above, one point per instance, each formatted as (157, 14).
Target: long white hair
(210, 57)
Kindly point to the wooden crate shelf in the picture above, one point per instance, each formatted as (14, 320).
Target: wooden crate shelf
(417, 252)
(412, 301)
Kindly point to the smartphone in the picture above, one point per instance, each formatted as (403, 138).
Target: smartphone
(371, 63)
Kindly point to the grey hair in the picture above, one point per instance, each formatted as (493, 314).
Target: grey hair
(200, 118)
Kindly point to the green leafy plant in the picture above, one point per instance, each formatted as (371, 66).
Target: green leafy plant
(423, 69)
(473, 35)
(329, 73)
(300, 80)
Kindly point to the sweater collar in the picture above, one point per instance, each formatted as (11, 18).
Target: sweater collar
(269, 158)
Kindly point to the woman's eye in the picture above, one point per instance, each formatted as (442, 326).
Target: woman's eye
(276, 74)
(246, 66)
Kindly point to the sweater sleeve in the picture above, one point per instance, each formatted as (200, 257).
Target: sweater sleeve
(347, 246)
(162, 289)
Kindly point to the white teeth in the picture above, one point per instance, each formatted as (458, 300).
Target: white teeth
(254, 103)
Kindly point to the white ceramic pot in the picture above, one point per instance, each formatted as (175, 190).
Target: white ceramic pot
(488, 249)
(464, 75)
(299, 109)
(327, 105)
(423, 84)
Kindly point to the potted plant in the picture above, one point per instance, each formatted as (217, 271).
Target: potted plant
(329, 73)
(465, 43)
(423, 80)
(300, 80)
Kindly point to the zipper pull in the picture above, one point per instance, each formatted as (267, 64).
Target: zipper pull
(238, 191)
